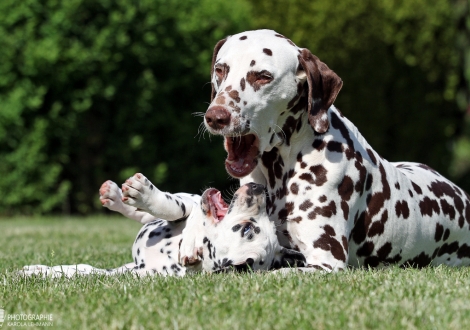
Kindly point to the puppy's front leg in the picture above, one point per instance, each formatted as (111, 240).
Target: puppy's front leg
(139, 192)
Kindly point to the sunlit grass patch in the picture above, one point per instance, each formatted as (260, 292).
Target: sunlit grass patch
(392, 298)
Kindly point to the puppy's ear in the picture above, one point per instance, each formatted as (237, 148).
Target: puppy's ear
(214, 57)
(288, 258)
(323, 88)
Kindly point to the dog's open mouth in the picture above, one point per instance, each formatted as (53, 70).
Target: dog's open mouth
(216, 206)
(242, 154)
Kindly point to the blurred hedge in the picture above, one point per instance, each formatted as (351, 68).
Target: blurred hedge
(96, 90)
(461, 165)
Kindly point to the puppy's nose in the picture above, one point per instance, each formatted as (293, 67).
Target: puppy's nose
(255, 189)
(217, 117)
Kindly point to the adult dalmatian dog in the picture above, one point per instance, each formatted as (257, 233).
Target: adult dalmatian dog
(329, 195)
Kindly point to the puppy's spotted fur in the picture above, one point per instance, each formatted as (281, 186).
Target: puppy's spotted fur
(198, 233)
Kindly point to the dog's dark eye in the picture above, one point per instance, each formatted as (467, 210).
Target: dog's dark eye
(247, 229)
(219, 72)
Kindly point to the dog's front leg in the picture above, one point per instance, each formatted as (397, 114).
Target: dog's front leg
(139, 192)
(322, 239)
(191, 245)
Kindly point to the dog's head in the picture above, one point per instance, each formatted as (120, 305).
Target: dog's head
(240, 236)
(260, 82)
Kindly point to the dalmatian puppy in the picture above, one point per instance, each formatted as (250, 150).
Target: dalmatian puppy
(199, 233)
(156, 247)
(331, 196)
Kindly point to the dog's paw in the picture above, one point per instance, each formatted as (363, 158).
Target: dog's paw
(190, 255)
(191, 247)
(138, 191)
(111, 196)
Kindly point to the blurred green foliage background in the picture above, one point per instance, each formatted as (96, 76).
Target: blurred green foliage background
(97, 90)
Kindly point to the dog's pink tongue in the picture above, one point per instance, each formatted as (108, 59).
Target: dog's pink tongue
(232, 156)
(220, 206)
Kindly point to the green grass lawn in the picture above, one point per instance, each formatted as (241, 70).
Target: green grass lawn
(432, 298)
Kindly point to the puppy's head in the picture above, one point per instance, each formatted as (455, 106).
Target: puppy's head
(240, 236)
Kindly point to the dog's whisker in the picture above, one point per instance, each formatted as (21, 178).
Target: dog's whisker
(282, 131)
(198, 114)
(200, 132)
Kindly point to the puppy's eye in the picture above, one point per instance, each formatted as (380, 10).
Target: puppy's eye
(264, 77)
(246, 230)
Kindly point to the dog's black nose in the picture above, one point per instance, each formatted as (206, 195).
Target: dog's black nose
(246, 266)
(255, 189)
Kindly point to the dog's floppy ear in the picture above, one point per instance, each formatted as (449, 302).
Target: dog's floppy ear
(323, 87)
(214, 57)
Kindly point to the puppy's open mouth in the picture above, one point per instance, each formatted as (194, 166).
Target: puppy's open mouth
(242, 154)
(216, 206)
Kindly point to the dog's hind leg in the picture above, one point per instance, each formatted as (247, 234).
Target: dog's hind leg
(111, 198)
(71, 270)
(139, 192)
